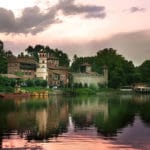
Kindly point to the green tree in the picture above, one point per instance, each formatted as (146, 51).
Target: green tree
(3, 59)
(121, 72)
(144, 71)
(63, 57)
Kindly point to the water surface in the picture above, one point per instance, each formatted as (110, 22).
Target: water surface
(64, 123)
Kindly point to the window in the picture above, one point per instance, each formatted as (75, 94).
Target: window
(56, 76)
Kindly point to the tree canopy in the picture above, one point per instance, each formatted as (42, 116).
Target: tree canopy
(3, 58)
(121, 71)
(144, 71)
(63, 57)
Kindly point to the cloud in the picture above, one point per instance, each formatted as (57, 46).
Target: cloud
(136, 9)
(133, 46)
(34, 21)
(68, 7)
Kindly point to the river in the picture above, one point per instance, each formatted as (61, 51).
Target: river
(76, 123)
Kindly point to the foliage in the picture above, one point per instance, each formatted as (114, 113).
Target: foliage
(7, 85)
(6, 89)
(3, 58)
(120, 71)
(4, 81)
(36, 82)
(77, 61)
(29, 83)
(35, 89)
(63, 57)
(85, 91)
(3, 61)
(144, 71)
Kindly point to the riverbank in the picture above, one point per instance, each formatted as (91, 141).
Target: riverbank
(90, 91)
(35, 91)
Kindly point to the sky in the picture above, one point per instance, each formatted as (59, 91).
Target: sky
(78, 26)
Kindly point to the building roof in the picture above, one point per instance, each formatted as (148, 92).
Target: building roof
(29, 60)
(57, 71)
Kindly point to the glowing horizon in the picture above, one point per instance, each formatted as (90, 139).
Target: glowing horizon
(77, 26)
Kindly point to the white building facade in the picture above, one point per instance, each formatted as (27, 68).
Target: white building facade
(42, 70)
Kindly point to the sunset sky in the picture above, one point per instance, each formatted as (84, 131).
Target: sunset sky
(79, 27)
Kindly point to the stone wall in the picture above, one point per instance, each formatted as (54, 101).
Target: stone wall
(42, 73)
(89, 79)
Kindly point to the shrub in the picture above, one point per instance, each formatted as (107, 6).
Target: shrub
(37, 82)
(30, 83)
(43, 83)
(93, 87)
(80, 85)
(86, 85)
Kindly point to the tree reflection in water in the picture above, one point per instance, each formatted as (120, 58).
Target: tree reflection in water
(108, 116)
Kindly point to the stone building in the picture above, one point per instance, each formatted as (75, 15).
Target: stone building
(87, 77)
(24, 66)
(42, 70)
(50, 70)
(57, 76)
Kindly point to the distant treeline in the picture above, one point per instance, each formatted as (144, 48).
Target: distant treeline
(121, 71)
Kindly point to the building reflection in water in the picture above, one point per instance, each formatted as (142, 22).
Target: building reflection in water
(81, 122)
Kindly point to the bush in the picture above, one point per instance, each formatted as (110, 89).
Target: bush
(80, 85)
(37, 82)
(93, 87)
(4, 81)
(86, 85)
(75, 85)
(101, 85)
(85, 91)
(6, 89)
(43, 83)
(30, 83)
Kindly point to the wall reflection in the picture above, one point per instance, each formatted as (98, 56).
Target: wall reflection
(103, 117)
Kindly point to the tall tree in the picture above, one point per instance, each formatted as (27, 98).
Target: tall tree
(63, 57)
(3, 59)
(144, 71)
(120, 70)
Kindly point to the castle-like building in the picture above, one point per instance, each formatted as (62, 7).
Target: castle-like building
(50, 70)
(47, 68)
(89, 78)
(23, 66)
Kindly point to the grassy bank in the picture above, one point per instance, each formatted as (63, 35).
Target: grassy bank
(89, 91)
(34, 89)
(66, 91)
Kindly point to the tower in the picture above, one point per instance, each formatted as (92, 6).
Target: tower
(42, 70)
